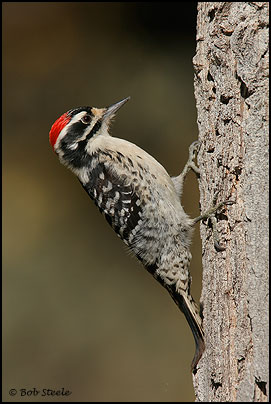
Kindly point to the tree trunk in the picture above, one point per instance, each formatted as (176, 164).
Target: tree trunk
(231, 87)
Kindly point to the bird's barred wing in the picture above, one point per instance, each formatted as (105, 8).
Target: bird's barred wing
(118, 201)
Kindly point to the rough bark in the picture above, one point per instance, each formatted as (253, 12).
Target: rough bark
(231, 88)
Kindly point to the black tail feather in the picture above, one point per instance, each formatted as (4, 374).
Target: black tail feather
(193, 318)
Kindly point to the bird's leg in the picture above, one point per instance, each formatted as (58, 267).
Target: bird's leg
(210, 214)
(190, 165)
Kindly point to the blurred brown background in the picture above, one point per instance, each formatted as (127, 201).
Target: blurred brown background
(79, 312)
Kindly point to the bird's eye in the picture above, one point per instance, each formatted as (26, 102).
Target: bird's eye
(86, 119)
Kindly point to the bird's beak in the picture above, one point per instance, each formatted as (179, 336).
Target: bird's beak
(110, 111)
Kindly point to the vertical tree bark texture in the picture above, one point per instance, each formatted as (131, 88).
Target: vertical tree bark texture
(231, 87)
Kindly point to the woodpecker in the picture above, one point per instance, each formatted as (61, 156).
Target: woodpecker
(138, 199)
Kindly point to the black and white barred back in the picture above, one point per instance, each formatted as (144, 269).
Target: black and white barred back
(137, 197)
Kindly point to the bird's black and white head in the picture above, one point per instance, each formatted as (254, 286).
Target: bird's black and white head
(72, 133)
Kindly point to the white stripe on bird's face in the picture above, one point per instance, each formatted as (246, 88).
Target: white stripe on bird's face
(65, 130)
